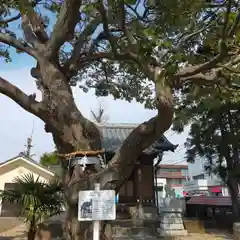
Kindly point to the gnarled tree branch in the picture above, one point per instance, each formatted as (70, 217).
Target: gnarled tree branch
(13, 42)
(104, 17)
(12, 19)
(21, 98)
(121, 166)
(83, 39)
(204, 67)
(210, 75)
(63, 30)
(33, 25)
(123, 161)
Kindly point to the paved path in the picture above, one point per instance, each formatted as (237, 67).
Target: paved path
(7, 223)
(19, 233)
(190, 237)
(16, 233)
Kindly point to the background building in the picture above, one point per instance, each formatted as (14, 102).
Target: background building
(170, 177)
(203, 183)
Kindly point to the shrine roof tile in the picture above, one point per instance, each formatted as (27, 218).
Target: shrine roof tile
(114, 134)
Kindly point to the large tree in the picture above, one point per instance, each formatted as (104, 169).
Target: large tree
(130, 49)
(215, 133)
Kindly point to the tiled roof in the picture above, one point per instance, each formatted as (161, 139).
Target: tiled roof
(210, 201)
(114, 135)
(23, 156)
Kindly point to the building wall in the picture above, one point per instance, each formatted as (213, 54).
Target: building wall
(205, 186)
(17, 170)
(202, 182)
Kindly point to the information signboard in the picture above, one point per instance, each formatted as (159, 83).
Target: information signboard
(96, 205)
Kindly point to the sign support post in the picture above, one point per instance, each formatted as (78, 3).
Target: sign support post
(96, 224)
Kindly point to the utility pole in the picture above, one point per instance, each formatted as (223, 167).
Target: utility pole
(29, 145)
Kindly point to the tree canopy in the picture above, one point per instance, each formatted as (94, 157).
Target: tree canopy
(214, 132)
(139, 37)
(160, 53)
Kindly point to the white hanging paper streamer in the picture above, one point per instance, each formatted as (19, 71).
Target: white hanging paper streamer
(101, 160)
(84, 161)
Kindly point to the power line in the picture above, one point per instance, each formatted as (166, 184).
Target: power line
(180, 149)
(172, 134)
(174, 163)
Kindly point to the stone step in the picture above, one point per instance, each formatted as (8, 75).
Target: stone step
(170, 215)
(171, 220)
(137, 232)
(173, 226)
(171, 210)
(172, 233)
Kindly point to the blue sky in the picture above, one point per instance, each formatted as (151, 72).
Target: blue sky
(16, 124)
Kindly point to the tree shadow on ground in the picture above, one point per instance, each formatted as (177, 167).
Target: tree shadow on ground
(17, 237)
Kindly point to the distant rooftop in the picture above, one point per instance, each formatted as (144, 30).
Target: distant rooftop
(175, 166)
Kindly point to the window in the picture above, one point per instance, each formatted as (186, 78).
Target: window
(174, 181)
(169, 170)
(184, 172)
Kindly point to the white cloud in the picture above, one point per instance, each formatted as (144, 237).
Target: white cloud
(16, 124)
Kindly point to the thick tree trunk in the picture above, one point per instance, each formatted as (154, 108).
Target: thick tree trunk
(232, 163)
(71, 132)
(234, 190)
(233, 181)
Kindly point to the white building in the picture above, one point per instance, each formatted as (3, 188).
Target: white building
(201, 182)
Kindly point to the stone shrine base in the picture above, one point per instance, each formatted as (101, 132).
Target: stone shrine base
(125, 229)
(171, 223)
(236, 231)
